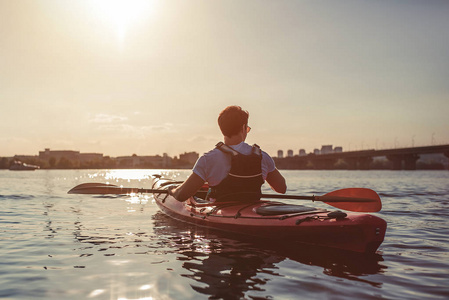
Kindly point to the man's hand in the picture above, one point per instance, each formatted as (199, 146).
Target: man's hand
(187, 189)
(171, 190)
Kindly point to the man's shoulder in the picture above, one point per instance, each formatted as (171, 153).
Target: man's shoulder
(249, 147)
(243, 148)
(265, 154)
(266, 157)
(212, 154)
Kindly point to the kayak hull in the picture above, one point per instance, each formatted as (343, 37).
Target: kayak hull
(353, 232)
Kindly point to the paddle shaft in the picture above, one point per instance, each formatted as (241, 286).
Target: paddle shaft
(121, 190)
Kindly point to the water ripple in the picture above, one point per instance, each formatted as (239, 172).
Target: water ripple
(59, 246)
(17, 197)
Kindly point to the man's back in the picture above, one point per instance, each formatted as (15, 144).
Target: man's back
(214, 166)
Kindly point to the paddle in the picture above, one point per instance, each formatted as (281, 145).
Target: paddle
(104, 189)
(351, 199)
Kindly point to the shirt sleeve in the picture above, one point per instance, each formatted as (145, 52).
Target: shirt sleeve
(268, 164)
(200, 168)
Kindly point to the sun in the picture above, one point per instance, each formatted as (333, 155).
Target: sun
(121, 14)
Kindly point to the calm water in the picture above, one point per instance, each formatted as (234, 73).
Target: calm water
(59, 246)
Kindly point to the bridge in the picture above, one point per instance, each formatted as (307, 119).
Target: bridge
(400, 158)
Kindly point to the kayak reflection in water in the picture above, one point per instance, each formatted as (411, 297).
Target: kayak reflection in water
(233, 168)
(224, 266)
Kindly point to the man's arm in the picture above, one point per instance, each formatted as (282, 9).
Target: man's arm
(277, 181)
(188, 188)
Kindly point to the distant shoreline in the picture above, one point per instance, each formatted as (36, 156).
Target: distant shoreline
(430, 168)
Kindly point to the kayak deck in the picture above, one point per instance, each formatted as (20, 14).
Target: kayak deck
(277, 221)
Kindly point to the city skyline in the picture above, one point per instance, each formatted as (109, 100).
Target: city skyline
(121, 77)
(324, 149)
(328, 157)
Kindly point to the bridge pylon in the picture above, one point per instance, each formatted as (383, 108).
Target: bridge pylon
(410, 161)
(403, 161)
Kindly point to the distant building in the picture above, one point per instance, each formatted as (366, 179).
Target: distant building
(280, 154)
(90, 157)
(127, 161)
(48, 154)
(24, 157)
(190, 157)
(166, 161)
(302, 152)
(290, 153)
(156, 161)
(58, 154)
(326, 149)
(66, 159)
(316, 151)
(134, 161)
(338, 149)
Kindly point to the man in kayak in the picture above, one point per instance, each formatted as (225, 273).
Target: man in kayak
(233, 169)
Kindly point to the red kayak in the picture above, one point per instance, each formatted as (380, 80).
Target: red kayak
(274, 220)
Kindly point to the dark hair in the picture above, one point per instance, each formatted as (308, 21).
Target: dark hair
(232, 119)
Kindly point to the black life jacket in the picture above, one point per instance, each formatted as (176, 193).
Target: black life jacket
(244, 180)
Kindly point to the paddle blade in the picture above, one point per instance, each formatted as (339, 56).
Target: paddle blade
(110, 189)
(97, 188)
(358, 200)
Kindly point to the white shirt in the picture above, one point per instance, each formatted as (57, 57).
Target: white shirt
(215, 165)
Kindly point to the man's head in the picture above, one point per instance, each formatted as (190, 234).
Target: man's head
(232, 120)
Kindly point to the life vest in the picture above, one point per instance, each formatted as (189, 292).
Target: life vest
(244, 180)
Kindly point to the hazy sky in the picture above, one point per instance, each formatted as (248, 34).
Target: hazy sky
(147, 77)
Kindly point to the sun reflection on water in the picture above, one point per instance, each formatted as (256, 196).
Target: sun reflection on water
(146, 287)
(124, 177)
(127, 175)
(139, 198)
(96, 293)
